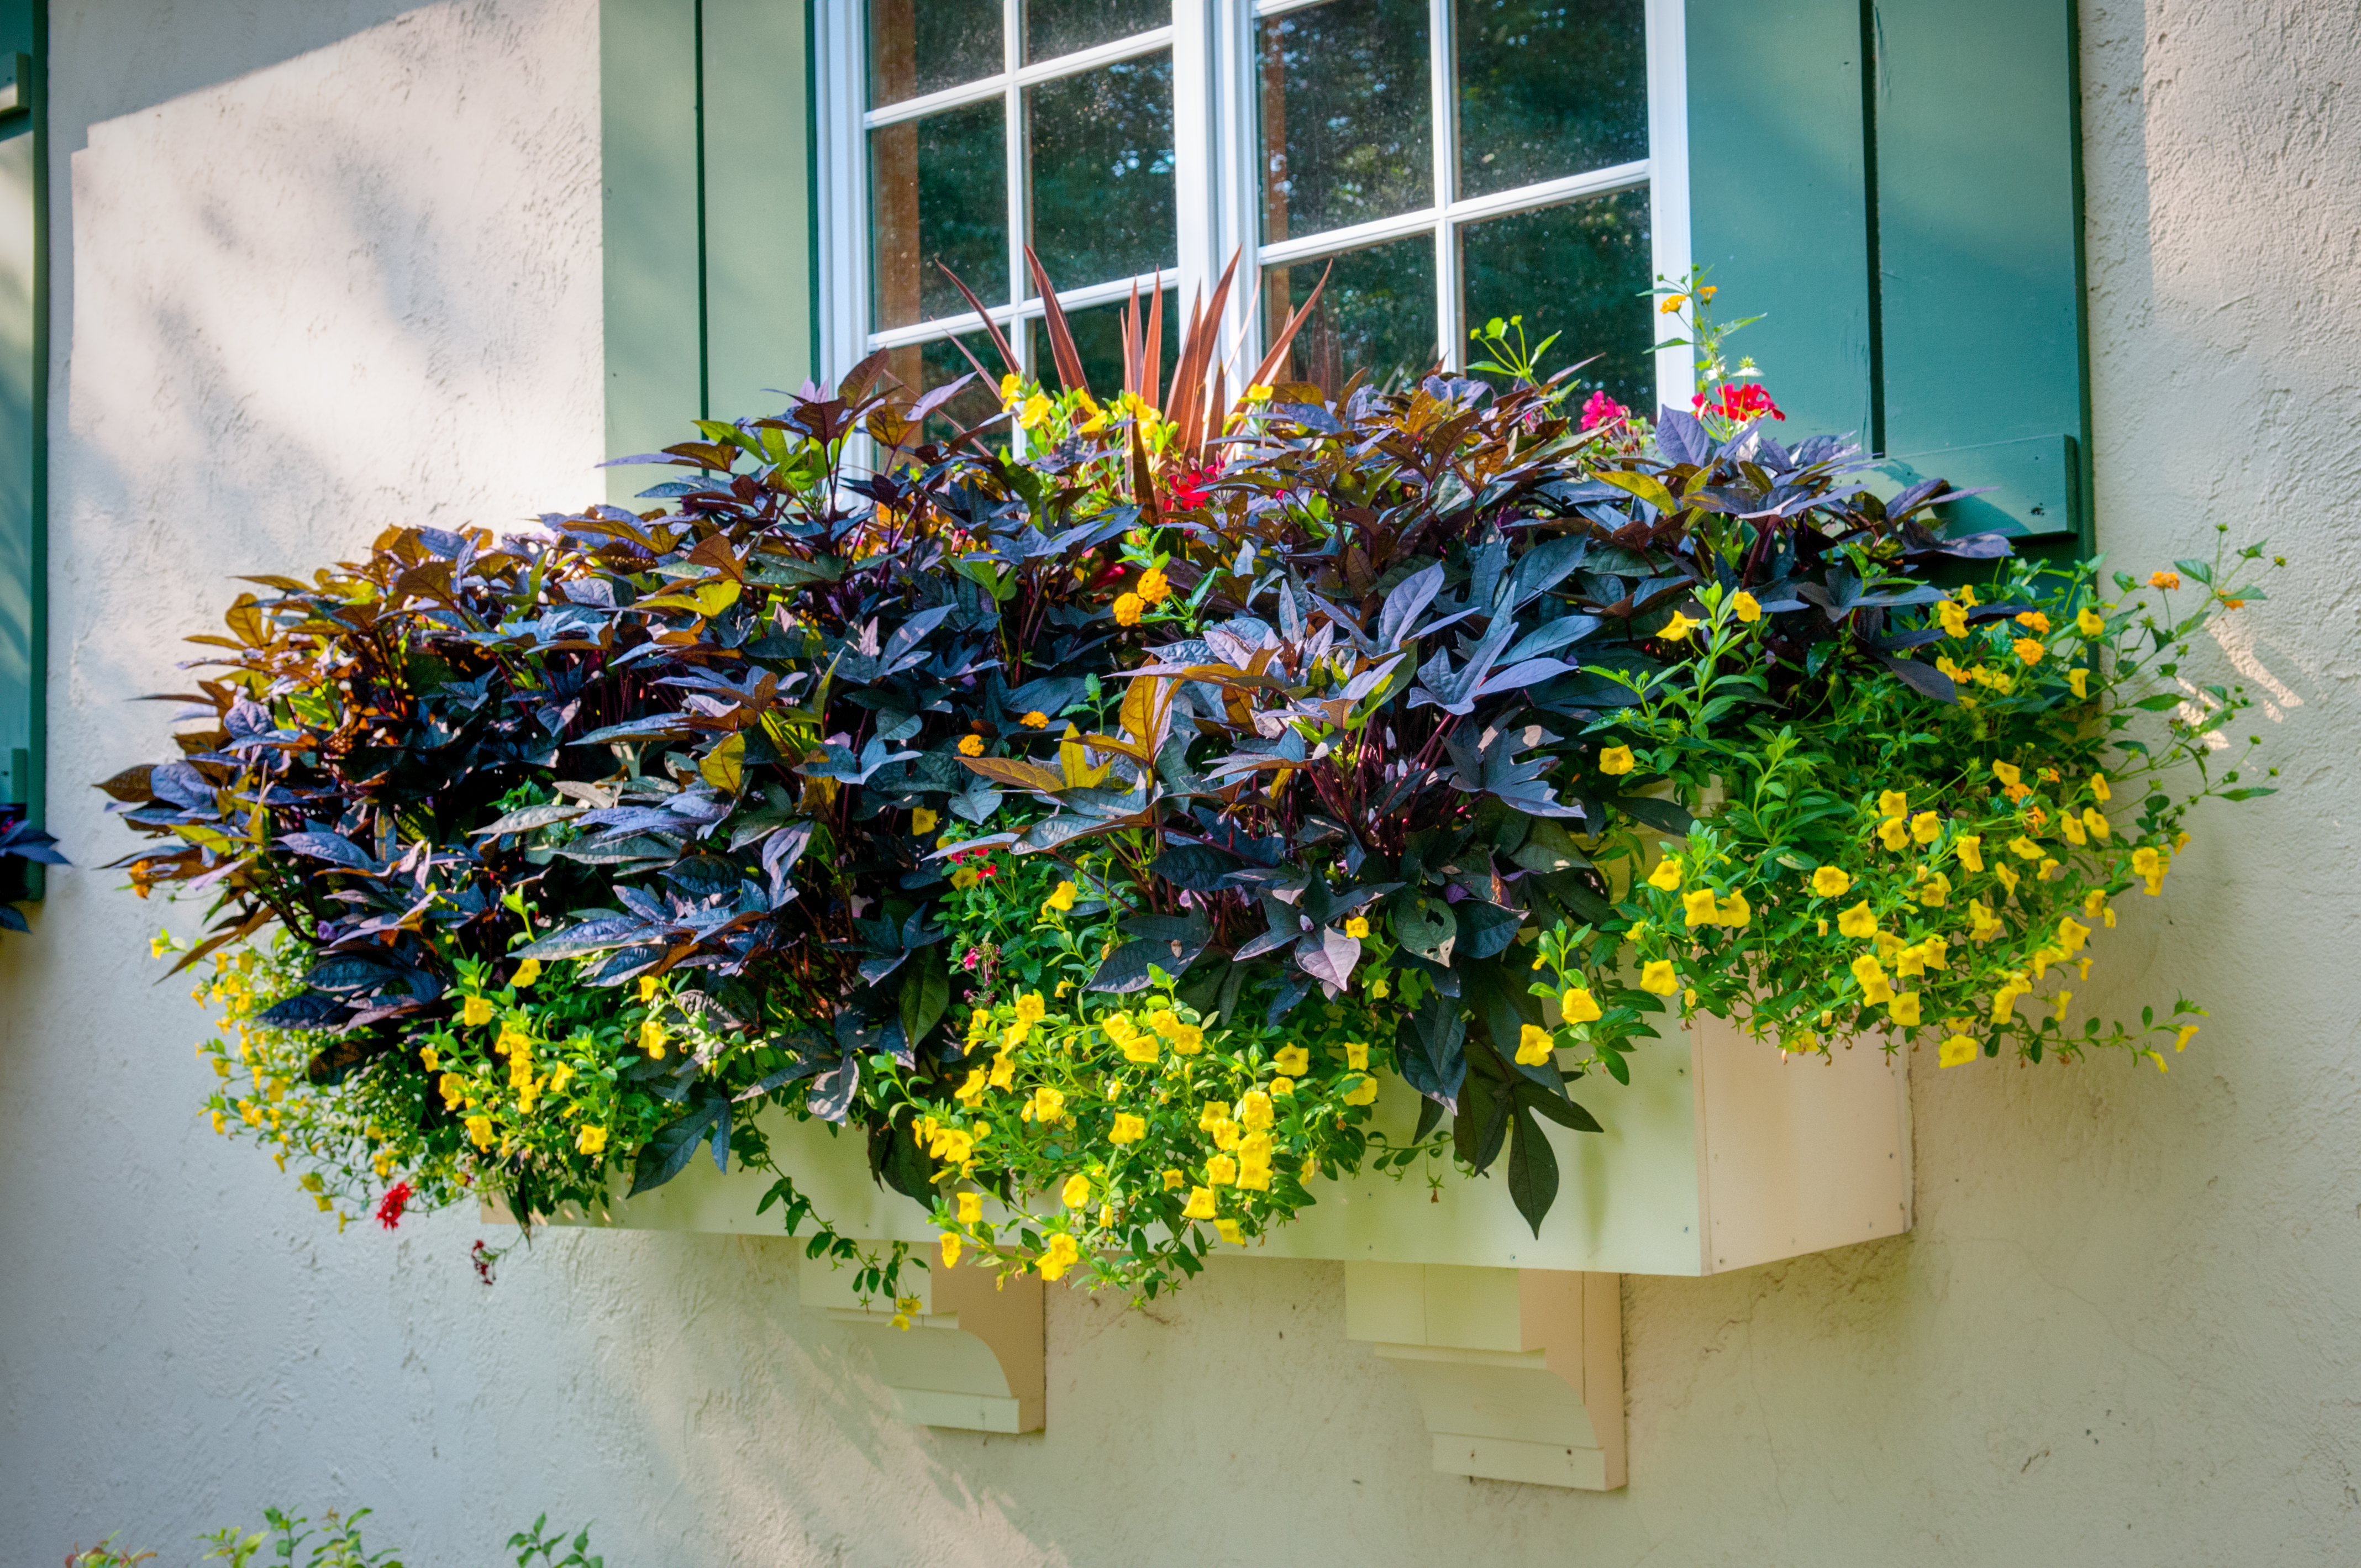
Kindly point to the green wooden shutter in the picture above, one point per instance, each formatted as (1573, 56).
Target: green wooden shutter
(1911, 236)
(707, 208)
(1980, 241)
(24, 387)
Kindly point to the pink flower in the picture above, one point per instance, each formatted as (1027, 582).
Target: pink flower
(1602, 410)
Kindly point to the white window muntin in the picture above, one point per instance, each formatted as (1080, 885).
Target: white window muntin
(1218, 176)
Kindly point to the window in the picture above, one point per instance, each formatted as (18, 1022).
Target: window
(1440, 161)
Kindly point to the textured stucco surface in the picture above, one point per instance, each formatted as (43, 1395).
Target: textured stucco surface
(323, 265)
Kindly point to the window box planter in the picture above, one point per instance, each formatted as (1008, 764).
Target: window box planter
(1721, 1154)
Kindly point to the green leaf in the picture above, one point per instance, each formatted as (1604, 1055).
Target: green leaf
(1646, 487)
(926, 994)
(1424, 925)
(1532, 1171)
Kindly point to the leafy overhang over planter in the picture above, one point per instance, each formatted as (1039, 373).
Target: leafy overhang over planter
(1183, 808)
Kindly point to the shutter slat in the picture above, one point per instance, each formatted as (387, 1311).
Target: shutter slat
(1778, 197)
(653, 281)
(758, 281)
(1980, 224)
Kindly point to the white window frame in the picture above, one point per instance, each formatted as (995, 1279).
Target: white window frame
(1217, 179)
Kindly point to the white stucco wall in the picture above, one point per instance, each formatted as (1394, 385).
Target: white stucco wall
(324, 265)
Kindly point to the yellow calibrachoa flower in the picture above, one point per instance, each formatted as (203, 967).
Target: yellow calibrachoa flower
(590, 1140)
(526, 973)
(2187, 1031)
(2004, 999)
(2151, 866)
(1534, 1046)
(2006, 773)
(1733, 911)
(651, 1039)
(1221, 1172)
(1933, 890)
(476, 1012)
(1895, 832)
(970, 1208)
(1927, 827)
(923, 821)
(2024, 849)
(1061, 899)
(1127, 1128)
(1746, 606)
(1357, 927)
(1047, 1105)
(479, 1131)
(952, 1243)
(1077, 1191)
(1577, 1005)
(1667, 874)
(2079, 679)
(1904, 1009)
(1061, 1255)
(1291, 1060)
(1960, 1051)
(1356, 1054)
(1616, 761)
(1954, 620)
(1127, 608)
(1364, 1092)
(1971, 850)
(1697, 907)
(1874, 987)
(1830, 882)
(1892, 803)
(1858, 922)
(971, 746)
(1657, 976)
(2088, 622)
(2099, 790)
(1254, 1111)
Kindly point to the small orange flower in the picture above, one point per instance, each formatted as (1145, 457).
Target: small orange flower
(2167, 580)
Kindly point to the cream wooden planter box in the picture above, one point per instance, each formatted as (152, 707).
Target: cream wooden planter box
(1721, 1154)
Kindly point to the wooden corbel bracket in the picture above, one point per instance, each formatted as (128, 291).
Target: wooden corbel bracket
(972, 1356)
(1520, 1372)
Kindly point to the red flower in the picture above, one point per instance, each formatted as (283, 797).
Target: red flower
(1602, 410)
(483, 1257)
(1193, 488)
(390, 1207)
(1737, 401)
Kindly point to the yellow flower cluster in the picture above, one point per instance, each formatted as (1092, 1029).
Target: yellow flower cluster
(1126, 1116)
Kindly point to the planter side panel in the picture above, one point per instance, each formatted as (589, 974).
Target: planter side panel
(1627, 1201)
(1798, 1154)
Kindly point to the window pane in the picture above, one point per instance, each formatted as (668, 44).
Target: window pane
(922, 367)
(1377, 314)
(937, 193)
(918, 48)
(1053, 27)
(1346, 135)
(1098, 338)
(1549, 88)
(1582, 271)
(1102, 147)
